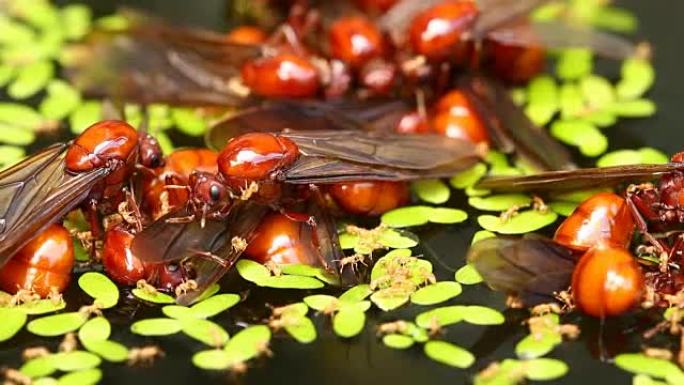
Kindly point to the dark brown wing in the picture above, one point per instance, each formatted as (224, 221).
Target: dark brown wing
(532, 267)
(580, 179)
(509, 127)
(277, 116)
(36, 193)
(154, 62)
(559, 35)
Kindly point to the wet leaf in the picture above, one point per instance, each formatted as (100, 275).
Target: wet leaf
(291, 282)
(302, 330)
(448, 354)
(214, 305)
(626, 157)
(574, 63)
(639, 363)
(42, 306)
(597, 91)
(178, 312)
(12, 321)
(321, 302)
(542, 96)
(215, 359)
(500, 202)
(154, 297)
(188, 121)
(305, 270)
(101, 288)
(76, 21)
(248, 343)
(480, 315)
(205, 331)
(82, 377)
(407, 216)
(252, 271)
(356, 294)
(84, 115)
(638, 76)
(109, 350)
(468, 177)
(96, 329)
(533, 346)
(545, 369)
(441, 316)
(31, 79)
(389, 299)
(445, 215)
(397, 341)
(637, 108)
(482, 234)
(39, 366)
(582, 134)
(436, 293)
(563, 208)
(348, 323)
(60, 101)
(432, 191)
(76, 360)
(524, 222)
(467, 275)
(57, 325)
(156, 327)
(398, 239)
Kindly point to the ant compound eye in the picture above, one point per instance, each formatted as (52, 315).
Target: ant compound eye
(215, 193)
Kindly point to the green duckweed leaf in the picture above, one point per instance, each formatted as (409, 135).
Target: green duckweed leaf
(39, 366)
(248, 343)
(57, 325)
(600, 118)
(500, 202)
(42, 306)
(397, 341)
(7, 73)
(114, 22)
(448, 354)
(15, 32)
(468, 177)
(441, 316)
(639, 363)
(101, 288)
(597, 91)
(445, 215)
(154, 297)
(13, 320)
(305, 270)
(96, 329)
(11, 154)
(407, 216)
(519, 96)
(432, 191)
(252, 271)
(156, 327)
(589, 139)
(614, 19)
(642, 379)
(302, 330)
(188, 121)
(76, 21)
(571, 101)
(356, 294)
(31, 79)
(652, 156)
(291, 282)
(524, 222)
(627, 157)
(475, 192)
(321, 302)
(637, 108)
(109, 350)
(542, 96)
(214, 305)
(480, 315)
(211, 290)
(164, 142)
(205, 331)
(467, 275)
(548, 12)
(536, 346)
(348, 241)
(398, 239)
(436, 293)
(563, 208)
(389, 299)
(214, 359)
(76, 360)
(348, 323)
(81, 377)
(16, 135)
(295, 310)
(574, 63)
(638, 76)
(20, 115)
(178, 312)
(84, 115)
(545, 369)
(60, 101)
(482, 234)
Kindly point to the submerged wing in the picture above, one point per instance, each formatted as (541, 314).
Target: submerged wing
(36, 193)
(532, 267)
(510, 129)
(579, 179)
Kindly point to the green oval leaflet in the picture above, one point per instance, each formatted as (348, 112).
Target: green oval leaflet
(7, 72)
(574, 63)
(357, 306)
(436, 293)
(96, 329)
(644, 155)
(548, 12)
(14, 32)
(600, 118)
(76, 20)
(639, 363)
(322, 302)
(398, 239)
(348, 241)
(20, 115)
(113, 22)
(407, 216)
(309, 271)
(519, 96)
(154, 297)
(524, 222)
(87, 113)
(11, 154)
(563, 208)
(296, 310)
(536, 346)
(214, 305)
(389, 299)
(156, 327)
(445, 215)
(39, 366)
(481, 315)
(475, 192)
(597, 91)
(178, 312)
(397, 341)
(61, 99)
(448, 354)
(291, 282)
(248, 343)
(497, 159)
(441, 316)
(215, 359)
(545, 369)
(211, 290)
(500, 202)
(109, 350)
(480, 235)
(467, 275)
(638, 108)
(582, 134)
(642, 379)
(252, 271)
(301, 329)
(205, 331)
(508, 372)
(614, 19)
(31, 79)
(76, 360)
(348, 323)
(188, 121)
(82, 377)
(100, 287)
(13, 320)
(16, 135)
(432, 191)
(468, 177)
(164, 142)
(571, 101)
(638, 76)
(159, 117)
(356, 294)
(542, 97)
(57, 325)
(39, 14)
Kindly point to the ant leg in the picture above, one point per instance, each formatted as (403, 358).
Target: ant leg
(207, 255)
(642, 226)
(181, 220)
(135, 209)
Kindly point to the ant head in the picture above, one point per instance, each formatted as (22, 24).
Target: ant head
(208, 190)
(151, 155)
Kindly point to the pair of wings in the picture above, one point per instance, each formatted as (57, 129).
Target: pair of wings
(38, 192)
